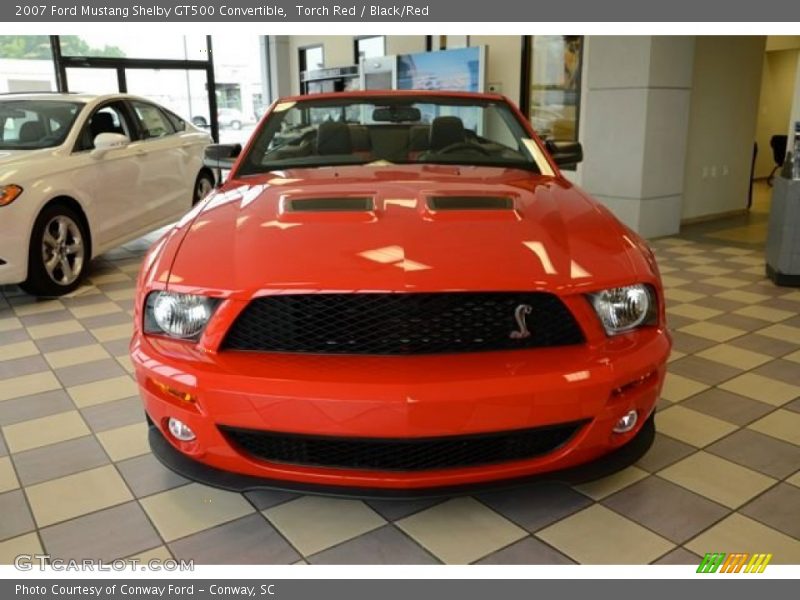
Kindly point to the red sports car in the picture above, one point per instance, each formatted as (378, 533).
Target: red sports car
(398, 293)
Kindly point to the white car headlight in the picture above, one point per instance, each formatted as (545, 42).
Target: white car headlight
(624, 308)
(182, 316)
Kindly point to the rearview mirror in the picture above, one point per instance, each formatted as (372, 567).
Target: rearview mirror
(566, 153)
(221, 156)
(109, 141)
(396, 114)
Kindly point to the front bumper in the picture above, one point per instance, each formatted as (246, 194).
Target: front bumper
(14, 243)
(616, 460)
(397, 397)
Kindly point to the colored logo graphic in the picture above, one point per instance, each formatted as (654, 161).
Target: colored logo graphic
(740, 562)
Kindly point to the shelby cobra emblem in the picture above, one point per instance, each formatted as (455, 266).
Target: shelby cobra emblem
(520, 313)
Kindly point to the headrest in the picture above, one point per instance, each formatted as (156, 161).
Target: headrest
(446, 131)
(31, 131)
(333, 137)
(418, 137)
(102, 123)
(359, 138)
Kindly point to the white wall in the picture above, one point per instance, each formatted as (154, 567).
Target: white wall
(775, 104)
(404, 44)
(504, 61)
(725, 93)
(782, 42)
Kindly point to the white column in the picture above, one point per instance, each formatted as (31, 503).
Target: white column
(635, 127)
(279, 66)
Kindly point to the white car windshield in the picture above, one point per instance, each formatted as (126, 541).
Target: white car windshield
(400, 130)
(35, 124)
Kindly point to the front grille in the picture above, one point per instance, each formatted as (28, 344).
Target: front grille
(402, 323)
(407, 454)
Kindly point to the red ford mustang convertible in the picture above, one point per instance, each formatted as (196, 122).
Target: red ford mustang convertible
(398, 293)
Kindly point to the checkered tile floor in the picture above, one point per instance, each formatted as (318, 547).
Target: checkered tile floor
(77, 479)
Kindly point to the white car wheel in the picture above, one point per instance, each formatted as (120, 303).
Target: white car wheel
(59, 252)
(202, 187)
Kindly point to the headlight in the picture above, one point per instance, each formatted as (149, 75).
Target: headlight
(9, 193)
(624, 308)
(182, 316)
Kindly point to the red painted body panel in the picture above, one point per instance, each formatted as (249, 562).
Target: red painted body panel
(242, 243)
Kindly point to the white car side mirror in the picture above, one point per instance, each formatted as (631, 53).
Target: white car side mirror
(108, 141)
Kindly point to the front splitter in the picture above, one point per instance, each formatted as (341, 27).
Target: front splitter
(606, 465)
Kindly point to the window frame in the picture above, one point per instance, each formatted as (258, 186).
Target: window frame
(78, 148)
(140, 124)
(526, 81)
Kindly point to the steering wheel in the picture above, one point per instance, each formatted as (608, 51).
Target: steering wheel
(469, 146)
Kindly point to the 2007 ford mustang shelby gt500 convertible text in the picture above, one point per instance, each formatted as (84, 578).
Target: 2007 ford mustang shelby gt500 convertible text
(398, 293)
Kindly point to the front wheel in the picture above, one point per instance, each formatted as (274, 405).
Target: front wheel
(58, 254)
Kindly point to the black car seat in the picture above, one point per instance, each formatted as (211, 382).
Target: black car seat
(102, 123)
(418, 140)
(31, 131)
(446, 131)
(333, 137)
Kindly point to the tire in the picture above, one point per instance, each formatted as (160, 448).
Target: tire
(203, 185)
(60, 251)
(236, 125)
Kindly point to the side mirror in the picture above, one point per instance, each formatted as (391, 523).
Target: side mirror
(566, 154)
(108, 141)
(221, 156)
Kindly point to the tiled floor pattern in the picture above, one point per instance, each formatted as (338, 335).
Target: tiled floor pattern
(77, 478)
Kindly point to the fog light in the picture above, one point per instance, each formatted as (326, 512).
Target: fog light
(180, 430)
(627, 422)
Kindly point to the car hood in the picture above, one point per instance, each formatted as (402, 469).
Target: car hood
(251, 238)
(10, 156)
(18, 158)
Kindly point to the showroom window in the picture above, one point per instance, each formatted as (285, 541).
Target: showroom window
(552, 77)
(114, 45)
(26, 64)
(225, 96)
(369, 47)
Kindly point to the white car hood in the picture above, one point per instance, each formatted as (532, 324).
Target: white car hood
(8, 157)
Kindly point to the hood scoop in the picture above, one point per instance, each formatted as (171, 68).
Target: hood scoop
(458, 203)
(328, 205)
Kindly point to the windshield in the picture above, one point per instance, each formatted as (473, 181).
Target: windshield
(34, 124)
(401, 129)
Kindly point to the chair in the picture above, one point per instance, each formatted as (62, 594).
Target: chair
(333, 138)
(778, 144)
(31, 131)
(446, 131)
(102, 123)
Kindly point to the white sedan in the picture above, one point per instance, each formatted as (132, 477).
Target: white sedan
(81, 174)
